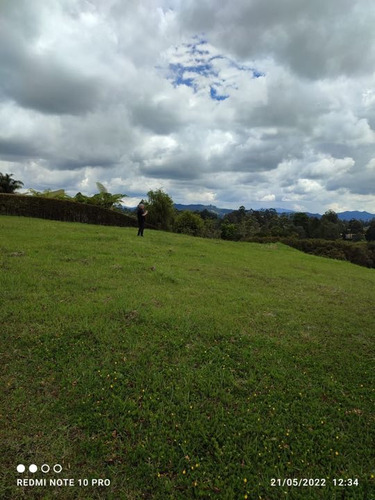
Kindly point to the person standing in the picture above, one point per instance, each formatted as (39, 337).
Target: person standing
(141, 214)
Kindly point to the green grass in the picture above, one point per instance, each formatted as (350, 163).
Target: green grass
(180, 367)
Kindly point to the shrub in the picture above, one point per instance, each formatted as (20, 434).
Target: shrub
(360, 253)
(63, 210)
(188, 223)
(230, 232)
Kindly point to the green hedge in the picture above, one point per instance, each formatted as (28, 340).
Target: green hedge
(63, 210)
(360, 253)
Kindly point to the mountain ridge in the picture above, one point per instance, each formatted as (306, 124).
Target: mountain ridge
(347, 215)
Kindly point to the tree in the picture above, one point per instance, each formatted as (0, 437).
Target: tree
(355, 226)
(9, 185)
(330, 216)
(211, 228)
(266, 218)
(353, 230)
(188, 223)
(281, 226)
(103, 198)
(330, 226)
(301, 224)
(236, 216)
(313, 227)
(370, 233)
(328, 230)
(207, 214)
(160, 209)
(229, 231)
(248, 227)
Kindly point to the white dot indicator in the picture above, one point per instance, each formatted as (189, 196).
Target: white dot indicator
(21, 468)
(45, 468)
(57, 468)
(33, 468)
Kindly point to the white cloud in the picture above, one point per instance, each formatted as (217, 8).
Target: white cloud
(371, 165)
(267, 103)
(268, 197)
(200, 196)
(328, 167)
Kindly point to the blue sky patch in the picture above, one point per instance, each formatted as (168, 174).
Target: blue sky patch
(214, 95)
(197, 66)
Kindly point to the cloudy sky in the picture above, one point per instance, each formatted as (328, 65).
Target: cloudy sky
(239, 102)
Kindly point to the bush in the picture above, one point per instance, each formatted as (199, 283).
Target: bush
(362, 254)
(230, 232)
(211, 228)
(357, 253)
(188, 223)
(63, 210)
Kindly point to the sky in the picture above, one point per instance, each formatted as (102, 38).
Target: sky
(238, 102)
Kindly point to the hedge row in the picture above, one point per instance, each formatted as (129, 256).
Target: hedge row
(63, 210)
(362, 254)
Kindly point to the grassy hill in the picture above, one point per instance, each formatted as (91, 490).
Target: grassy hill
(178, 367)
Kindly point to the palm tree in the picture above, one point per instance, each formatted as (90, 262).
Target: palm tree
(7, 184)
(105, 199)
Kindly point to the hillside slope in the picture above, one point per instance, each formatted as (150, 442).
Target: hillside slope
(180, 367)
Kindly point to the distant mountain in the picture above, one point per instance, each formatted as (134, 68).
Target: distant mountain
(281, 210)
(199, 208)
(222, 211)
(312, 215)
(289, 212)
(364, 216)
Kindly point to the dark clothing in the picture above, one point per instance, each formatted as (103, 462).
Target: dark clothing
(141, 221)
(140, 215)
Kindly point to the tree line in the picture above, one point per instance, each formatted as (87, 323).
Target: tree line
(245, 225)
(239, 225)
(322, 236)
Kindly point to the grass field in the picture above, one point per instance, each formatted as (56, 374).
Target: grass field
(176, 367)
